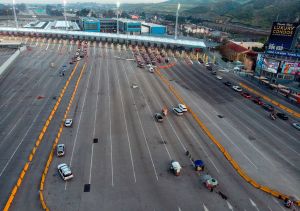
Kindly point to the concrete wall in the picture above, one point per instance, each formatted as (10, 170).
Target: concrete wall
(10, 60)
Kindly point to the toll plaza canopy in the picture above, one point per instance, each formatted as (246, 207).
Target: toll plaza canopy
(195, 43)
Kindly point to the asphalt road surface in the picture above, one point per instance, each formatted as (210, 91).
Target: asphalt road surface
(128, 168)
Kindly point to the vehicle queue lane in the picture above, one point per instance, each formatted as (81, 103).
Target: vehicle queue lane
(237, 194)
(14, 123)
(16, 149)
(215, 113)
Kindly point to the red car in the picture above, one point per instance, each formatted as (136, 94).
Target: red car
(258, 101)
(246, 95)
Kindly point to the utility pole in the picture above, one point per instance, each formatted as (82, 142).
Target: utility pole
(15, 14)
(176, 25)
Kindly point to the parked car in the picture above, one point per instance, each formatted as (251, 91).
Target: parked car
(68, 122)
(182, 107)
(282, 116)
(268, 107)
(65, 172)
(246, 95)
(178, 111)
(60, 150)
(296, 125)
(228, 83)
(258, 101)
(237, 88)
(158, 117)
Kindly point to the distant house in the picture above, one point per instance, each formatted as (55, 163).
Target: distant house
(234, 51)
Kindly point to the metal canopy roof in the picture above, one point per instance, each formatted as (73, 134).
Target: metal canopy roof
(139, 38)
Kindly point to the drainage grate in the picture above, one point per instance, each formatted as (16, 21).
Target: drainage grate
(87, 188)
(95, 140)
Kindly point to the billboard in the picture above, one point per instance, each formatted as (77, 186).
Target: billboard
(266, 64)
(282, 36)
(292, 68)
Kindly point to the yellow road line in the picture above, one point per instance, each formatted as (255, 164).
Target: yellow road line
(234, 164)
(275, 103)
(37, 143)
(50, 158)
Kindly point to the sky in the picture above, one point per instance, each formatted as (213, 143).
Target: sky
(74, 1)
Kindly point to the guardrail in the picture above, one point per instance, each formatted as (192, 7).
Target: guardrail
(234, 164)
(37, 144)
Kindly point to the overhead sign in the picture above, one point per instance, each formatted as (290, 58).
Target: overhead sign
(282, 36)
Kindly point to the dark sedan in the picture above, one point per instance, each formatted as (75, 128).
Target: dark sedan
(268, 107)
(282, 116)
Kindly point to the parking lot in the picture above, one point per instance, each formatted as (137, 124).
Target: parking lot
(118, 153)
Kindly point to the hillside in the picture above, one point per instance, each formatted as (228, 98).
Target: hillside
(254, 12)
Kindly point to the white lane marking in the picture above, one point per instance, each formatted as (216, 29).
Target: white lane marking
(201, 147)
(47, 46)
(91, 164)
(37, 43)
(179, 209)
(221, 131)
(71, 44)
(191, 61)
(79, 121)
(229, 205)
(128, 139)
(34, 120)
(94, 130)
(58, 46)
(199, 63)
(143, 131)
(110, 138)
(205, 208)
(277, 203)
(270, 208)
(253, 204)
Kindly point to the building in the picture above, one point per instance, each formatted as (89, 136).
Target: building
(108, 25)
(128, 26)
(89, 24)
(233, 52)
(153, 29)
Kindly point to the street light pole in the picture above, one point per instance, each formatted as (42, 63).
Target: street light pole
(176, 25)
(65, 2)
(15, 14)
(118, 6)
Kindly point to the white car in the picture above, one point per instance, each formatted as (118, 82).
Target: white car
(68, 122)
(296, 125)
(237, 88)
(65, 172)
(60, 150)
(151, 69)
(219, 77)
(78, 58)
(178, 111)
(182, 107)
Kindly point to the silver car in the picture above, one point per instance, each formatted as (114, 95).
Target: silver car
(60, 150)
(296, 125)
(65, 172)
(178, 111)
(68, 122)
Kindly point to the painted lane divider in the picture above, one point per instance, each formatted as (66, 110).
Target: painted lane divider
(37, 143)
(50, 158)
(292, 112)
(234, 164)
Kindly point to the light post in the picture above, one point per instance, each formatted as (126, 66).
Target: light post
(66, 23)
(15, 14)
(118, 6)
(176, 25)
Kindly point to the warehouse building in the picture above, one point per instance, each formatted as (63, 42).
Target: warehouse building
(153, 29)
(128, 26)
(90, 24)
(108, 25)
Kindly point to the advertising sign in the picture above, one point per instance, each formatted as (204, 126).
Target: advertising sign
(267, 64)
(282, 36)
(290, 68)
